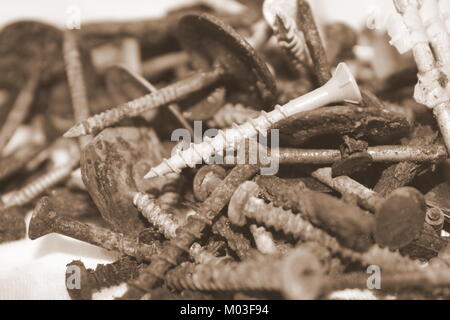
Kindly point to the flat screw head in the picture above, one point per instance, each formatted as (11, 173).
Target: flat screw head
(301, 275)
(41, 220)
(400, 218)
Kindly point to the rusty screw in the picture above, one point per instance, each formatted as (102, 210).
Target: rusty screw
(189, 233)
(399, 217)
(245, 205)
(183, 88)
(104, 276)
(153, 212)
(45, 221)
(296, 275)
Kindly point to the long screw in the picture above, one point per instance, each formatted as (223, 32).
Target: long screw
(45, 220)
(399, 218)
(296, 275)
(245, 205)
(228, 139)
(74, 71)
(190, 232)
(104, 276)
(173, 92)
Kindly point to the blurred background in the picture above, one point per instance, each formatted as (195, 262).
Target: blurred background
(354, 12)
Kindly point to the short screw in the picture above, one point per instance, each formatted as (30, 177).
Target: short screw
(341, 87)
(77, 86)
(150, 209)
(296, 275)
(399, 217)
(190, 232)
(104, 276)
(183, 88)
(45, 221)
(245, 205)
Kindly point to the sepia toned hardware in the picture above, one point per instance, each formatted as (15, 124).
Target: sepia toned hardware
(362, 176)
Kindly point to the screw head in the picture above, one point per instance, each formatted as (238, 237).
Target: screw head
(212, 43)
(41, 220)
(301, 275)
(400, 218)
(238, 201)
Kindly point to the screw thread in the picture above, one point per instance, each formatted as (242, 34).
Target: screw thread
(250, 275)
(150, 101)
(230, 114)
(155, 215)
(35, 188)
(236, 241)
(108, 275)
(287, 222)
(292, 42)
(225, 139)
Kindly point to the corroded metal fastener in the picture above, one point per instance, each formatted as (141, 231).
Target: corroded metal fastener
(341, 87)
(45, 221)
(204, 27)
(352, 226)
(245, 205)
(399, 217)
(296, 276)
(104, 276)
(391, 153)
(77, 86)
(153, 212)
(189, 233)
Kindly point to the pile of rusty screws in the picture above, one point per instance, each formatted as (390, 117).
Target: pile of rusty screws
(137, 137)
